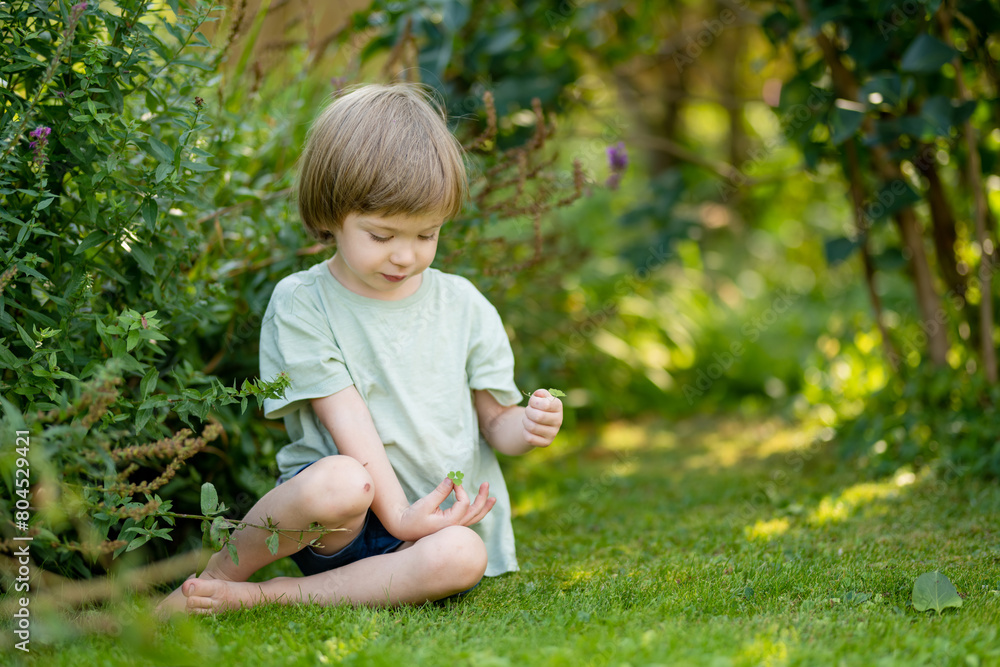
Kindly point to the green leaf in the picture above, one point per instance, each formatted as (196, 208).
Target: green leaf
(142, 418)
(218, 532)
(839, 249)
(163, 170)
(272, 544)
(893, 197)
(556, 393)
(25, 337)
(95, 238)
(142, 258)
(138, 542)
(209, 498)
(160, 150)
(197, 166)
(844, 124)
(926, 54)
(233, 554)
(148, 384)
(149, 212)
(193, 63)
(456, 476)
(932, 590)
(937, 111)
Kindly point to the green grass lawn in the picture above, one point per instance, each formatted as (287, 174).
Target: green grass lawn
(709, 542)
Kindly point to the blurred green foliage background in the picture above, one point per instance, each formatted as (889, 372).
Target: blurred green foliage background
(805, 225)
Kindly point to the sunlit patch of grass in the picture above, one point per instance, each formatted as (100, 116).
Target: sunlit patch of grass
(533, 500)
(736, 441)
(626, 436)
(837, 507)
(766, 531)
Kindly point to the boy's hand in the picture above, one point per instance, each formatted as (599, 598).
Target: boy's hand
(426, 517)
(542, 418)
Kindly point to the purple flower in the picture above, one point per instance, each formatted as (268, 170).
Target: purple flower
(618, 156)
(41, 138)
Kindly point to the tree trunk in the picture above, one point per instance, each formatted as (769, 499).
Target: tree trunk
(932, 314)
(943, 227)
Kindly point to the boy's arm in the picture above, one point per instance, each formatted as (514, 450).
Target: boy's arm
(515, 430)
(346, 417)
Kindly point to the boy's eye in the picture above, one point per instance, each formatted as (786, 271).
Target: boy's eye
(378, 239)
(428, 238)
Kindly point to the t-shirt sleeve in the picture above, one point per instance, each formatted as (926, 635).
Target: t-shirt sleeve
(293, 339)
(490, 364)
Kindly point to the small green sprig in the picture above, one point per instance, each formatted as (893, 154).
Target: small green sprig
(555, 393)
(456, 476)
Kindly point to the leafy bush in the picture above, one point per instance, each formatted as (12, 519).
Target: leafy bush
(104, 176)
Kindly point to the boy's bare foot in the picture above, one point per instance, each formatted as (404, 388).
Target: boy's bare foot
(208, 595)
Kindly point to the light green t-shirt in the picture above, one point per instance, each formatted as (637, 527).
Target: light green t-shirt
(415, 362)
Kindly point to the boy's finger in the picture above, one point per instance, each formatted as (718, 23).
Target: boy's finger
(542, 417)
(545, 403)
(444, 488)
(490, 502)
(540, 402)
(478, 503)
(440, 493)
(461, 500)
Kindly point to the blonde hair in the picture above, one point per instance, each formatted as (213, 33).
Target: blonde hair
(381, 149)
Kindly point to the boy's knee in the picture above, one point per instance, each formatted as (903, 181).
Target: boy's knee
(337, 487)
(460, 557)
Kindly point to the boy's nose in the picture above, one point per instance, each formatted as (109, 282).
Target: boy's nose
(402, 256)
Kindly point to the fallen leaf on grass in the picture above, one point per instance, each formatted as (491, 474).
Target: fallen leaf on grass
(932, 590)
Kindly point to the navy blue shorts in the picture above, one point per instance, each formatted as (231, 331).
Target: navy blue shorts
(372, 540)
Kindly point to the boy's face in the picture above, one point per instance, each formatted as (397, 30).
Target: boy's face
(383, 257)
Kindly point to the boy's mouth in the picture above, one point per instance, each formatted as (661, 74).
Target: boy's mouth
(392, 279)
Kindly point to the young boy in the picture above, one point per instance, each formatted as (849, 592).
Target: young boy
(399, 374)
